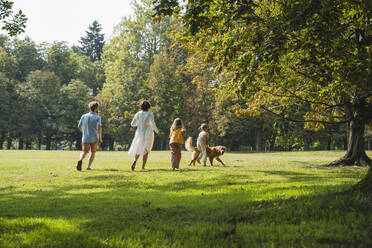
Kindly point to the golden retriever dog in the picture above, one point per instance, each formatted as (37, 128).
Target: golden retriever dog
(213, 152)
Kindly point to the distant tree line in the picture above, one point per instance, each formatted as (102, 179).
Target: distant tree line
(45, 88)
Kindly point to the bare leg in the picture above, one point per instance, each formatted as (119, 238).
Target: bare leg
(135, 161)
(83, 155)
(91, 159)
(80, 162)
(144, 160)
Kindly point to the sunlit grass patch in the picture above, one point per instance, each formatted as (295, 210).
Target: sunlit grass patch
(258, 200)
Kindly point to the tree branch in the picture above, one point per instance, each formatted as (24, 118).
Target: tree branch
(296, 120)
(302, 99)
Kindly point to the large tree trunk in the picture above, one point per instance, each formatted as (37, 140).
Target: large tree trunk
(111, 144)
(39, 141)
(165, 145)
(364, 186)
(78, 144)
(329, 143)
(355, 154)
(272, 141)
(2, 138)
(258, 140)
(48, 142)
(9, 143)
(306, 143)
(20, 144)
(28, 144)
(104, 143)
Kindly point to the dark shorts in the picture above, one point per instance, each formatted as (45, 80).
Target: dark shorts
(90, 147)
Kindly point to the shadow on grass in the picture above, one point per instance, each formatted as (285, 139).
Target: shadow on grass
(200, 214)
(40, 233)
(7, 188)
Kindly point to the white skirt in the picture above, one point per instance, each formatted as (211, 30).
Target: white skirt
(142, 142)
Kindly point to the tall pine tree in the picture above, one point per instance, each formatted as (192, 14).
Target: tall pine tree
(92, 43)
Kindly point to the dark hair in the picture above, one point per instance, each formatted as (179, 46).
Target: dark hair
(145, 105)
(93, 105)
(204, 126)
(177, 123)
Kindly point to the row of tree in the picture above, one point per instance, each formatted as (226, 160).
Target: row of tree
(186, 73)
(44, 89)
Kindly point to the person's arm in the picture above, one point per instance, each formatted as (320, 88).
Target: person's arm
(207, 140)
(80, 123)
(100, 134)
(99, 124)
(134, 122)
(152, 123)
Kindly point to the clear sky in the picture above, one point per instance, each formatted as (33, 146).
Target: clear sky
(67, 20)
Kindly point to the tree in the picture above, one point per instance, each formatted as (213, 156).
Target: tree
(127, 59)
(8, 64)
(13, 23)
(28, 56)
(60, 60)
(10, 103)
(41, 92)
(290, 53)
(5, 99)
(93, 42)
(167, 92)
(72, 104)
(91, 73)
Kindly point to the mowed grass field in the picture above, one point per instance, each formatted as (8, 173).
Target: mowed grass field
(258, 200)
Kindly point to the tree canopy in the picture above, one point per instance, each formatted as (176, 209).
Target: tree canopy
(93, 41)
(313, 57)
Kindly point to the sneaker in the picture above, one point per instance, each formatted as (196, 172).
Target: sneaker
(133, 165)
(79, 163)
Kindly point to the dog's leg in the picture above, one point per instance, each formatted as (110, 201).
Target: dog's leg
(193, 162)
(192, 158)
(219, 160)
(197, 158)
(211, 160)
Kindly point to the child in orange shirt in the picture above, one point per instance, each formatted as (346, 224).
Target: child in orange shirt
(176, 140)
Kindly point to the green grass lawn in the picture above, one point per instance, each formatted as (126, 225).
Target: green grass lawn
(258, 200)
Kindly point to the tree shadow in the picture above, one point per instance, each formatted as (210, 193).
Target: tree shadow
(117, 204)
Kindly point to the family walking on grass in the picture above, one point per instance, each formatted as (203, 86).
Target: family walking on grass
(91, 127)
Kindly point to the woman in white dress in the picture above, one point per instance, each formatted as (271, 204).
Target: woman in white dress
(144, 136)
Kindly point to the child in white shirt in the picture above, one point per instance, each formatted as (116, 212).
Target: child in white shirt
(202, 143)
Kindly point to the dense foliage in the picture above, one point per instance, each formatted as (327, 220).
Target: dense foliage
(13, 23)
(185, 72)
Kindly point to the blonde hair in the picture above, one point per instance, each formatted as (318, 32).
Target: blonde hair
(177, 123)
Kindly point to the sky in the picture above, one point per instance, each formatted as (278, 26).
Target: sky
(67, 20)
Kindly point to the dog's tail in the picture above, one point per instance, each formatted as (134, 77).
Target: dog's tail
(188, 145)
